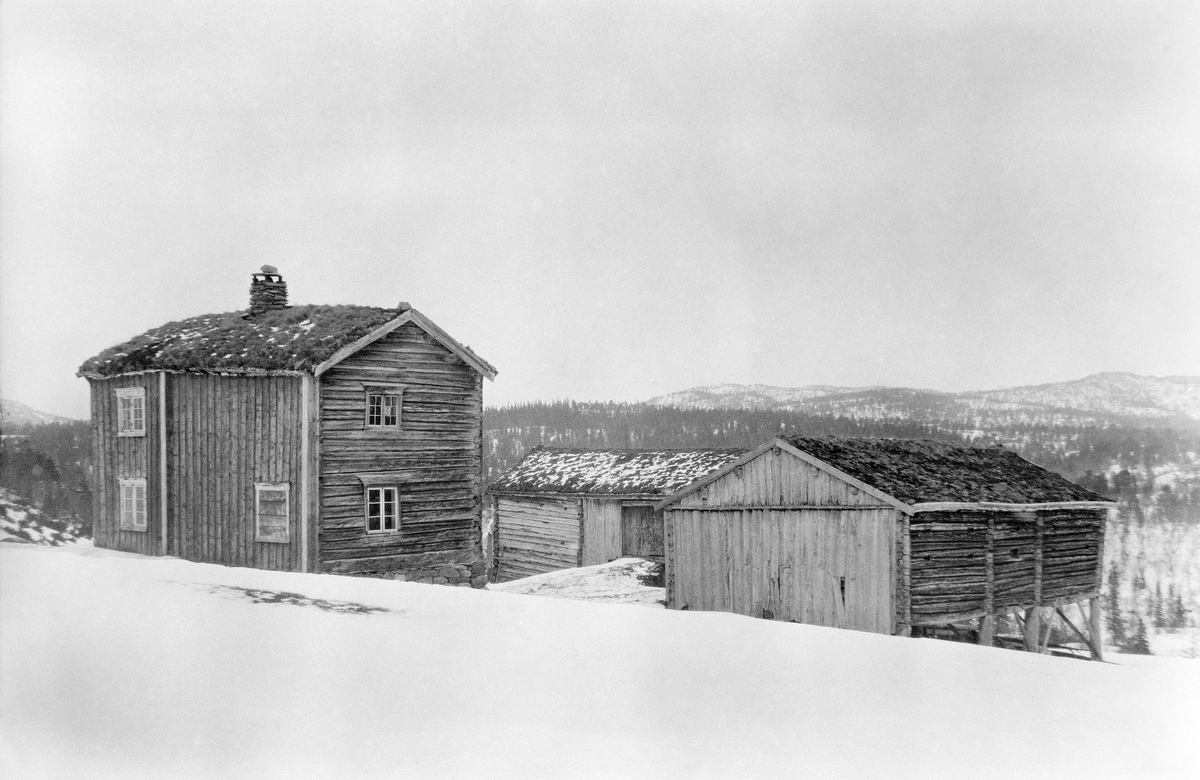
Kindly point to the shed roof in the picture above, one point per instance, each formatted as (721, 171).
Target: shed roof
(610, 472)
(924, 471)
(297, 338)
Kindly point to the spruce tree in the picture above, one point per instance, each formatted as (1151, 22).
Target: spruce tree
(1116, 625)
(1139, 643)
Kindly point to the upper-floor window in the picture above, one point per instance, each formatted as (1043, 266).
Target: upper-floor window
(271, 512)
(133, 504)
(383, 406)
(131, 411)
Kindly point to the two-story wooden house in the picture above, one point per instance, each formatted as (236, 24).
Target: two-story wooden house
(342, 439)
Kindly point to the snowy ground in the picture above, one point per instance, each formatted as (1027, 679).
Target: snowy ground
(624, 581)
(120, 666)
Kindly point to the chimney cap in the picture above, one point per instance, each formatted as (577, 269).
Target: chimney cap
(403, 306)
(269, 269)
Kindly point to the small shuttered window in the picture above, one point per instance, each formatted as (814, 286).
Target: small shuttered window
(271, 512)
(133, 504)
(131, 411)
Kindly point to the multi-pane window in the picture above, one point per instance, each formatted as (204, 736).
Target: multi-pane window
(383, 509)
(383, 406)
(133, 504)
(131, 411)
(271, 512)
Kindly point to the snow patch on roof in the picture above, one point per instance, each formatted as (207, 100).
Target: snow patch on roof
(610, 472)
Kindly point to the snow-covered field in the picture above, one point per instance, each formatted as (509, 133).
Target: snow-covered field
(120, 666)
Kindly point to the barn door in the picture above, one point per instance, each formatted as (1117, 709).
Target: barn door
(641, 532)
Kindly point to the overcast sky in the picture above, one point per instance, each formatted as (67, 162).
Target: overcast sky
(613, 200)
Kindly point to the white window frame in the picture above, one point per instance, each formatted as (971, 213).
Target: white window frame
(136, 397)
(130, 519)
(286, 489)
(382, 390)
(382, 490)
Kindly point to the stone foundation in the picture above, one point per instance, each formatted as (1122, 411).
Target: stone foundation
(462, 568)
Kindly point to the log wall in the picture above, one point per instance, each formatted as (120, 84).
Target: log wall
(536, 535)
(966, 564)
(125, 457)
(227, 433)
(601, 540)
(828, 567)
(436, 456)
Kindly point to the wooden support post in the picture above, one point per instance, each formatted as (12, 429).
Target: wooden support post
(1096, 628)
(906, 576)
(1033, 618)
(1033, 629)
(986, 627)
(1083, 638)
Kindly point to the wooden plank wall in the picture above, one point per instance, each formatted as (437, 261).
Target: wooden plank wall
(786, 564)
(121, 457)
(641, 532)
(778, 478)
(436, 452)
(601, 541)
(536, 535)
(950, 561)
(226, 434)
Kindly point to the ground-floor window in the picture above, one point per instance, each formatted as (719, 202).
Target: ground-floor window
(133, 504)
(271, 512)
(383, 509)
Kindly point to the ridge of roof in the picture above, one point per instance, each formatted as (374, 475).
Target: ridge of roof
(293, 339)
(925, 471)
(610, 471)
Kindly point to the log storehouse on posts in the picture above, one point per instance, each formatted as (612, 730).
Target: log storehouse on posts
(341, 439)
(887, 535)
(560, 508)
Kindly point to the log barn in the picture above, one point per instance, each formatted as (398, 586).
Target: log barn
(887, 535)
(340, 439)
(560, 508)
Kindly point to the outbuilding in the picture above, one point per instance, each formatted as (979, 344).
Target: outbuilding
(886, 535)
(341, 439)
(560, 507)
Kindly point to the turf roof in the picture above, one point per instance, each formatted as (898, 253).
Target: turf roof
(609, 472)
(297, 338)
(921, 470)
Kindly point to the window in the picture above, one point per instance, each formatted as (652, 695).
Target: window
(131, 411)
(383, 406)
(383, 510)
(271, 512)
(133, 504)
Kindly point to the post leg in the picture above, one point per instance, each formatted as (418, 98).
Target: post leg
(1096, 628)
(986, 629)
(1033, 629)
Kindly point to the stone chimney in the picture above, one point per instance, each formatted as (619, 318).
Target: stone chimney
(268, 291)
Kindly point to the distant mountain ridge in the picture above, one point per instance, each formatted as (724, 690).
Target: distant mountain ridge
(1099, 399)
(16, 413)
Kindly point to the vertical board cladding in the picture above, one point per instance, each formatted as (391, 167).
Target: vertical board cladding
(782, 539)
(641, 532)
(229, 433)
(820, 567)
(125, 457)
(433, 457)
(775, 478)
(950, 560)
(601, 541)
(536, 535)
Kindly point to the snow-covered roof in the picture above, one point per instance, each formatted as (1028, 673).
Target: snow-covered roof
(925, 471)
(610, 472)
(297, 338)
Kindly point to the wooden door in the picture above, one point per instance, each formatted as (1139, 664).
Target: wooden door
(641, 532)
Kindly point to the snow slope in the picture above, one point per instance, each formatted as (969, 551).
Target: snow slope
(118, 666)
(623, 581)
